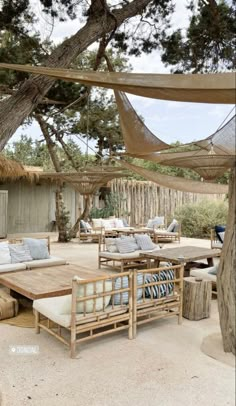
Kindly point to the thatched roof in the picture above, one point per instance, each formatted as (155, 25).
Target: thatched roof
(10, 169)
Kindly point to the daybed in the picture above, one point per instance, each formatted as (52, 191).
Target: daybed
(27, 253)
(129, 253)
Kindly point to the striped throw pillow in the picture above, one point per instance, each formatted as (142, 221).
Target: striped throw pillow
(19, 253)
(122, 283)
(164, 289)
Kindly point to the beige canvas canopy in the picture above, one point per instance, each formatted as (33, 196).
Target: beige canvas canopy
(138, 138)
(223, 141)
(176, 182)
(199, 88)
(208, 165)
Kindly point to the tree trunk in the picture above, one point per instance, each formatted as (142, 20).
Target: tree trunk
(60, 220)
(226, 275)
(74, 230)
(15, 109)
(60, 206)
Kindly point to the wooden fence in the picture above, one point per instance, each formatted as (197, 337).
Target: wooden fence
(142, 200)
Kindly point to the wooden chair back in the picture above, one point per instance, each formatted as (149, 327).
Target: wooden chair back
(157, 296)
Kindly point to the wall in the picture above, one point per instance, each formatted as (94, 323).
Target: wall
(3, 213)
(31, 208)
(142, 200)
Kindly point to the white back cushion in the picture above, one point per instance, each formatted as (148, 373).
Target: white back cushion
(172, 225)
(5, 257)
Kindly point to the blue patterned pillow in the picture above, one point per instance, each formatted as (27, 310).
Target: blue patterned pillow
(158, 291)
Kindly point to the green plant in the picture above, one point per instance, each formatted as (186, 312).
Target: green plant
(111, 207)
(197, 219)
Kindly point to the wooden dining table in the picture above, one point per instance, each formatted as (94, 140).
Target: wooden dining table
(189, 255)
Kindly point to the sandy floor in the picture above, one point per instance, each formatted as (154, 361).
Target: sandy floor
(164, 365)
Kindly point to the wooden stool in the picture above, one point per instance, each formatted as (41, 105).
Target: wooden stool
(196, 298)
(8, 306)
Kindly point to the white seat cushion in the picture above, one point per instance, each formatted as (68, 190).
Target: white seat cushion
(165, 232)
(53, 306)
(203, 273)
(217, 244)
(41, 263)
(117, 256)
(12, 267)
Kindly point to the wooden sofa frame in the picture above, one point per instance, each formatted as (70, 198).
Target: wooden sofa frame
(169, 236)
(119, 317)
(149, 309)
(95, 324)
(120, 264)
(19, 240)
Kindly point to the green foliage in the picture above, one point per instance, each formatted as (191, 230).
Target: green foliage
(36, 153)
(112, 204)
(209, 43)
(197, 219)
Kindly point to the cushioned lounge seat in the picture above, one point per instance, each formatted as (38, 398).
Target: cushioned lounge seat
(12, 267)
(52, 308)
(41, 263)
(203, 273)
(117, 255)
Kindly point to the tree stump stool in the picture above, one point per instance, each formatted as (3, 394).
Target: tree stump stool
(196, 298)
(8, 306)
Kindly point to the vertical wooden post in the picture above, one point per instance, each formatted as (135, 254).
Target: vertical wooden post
(226, 284)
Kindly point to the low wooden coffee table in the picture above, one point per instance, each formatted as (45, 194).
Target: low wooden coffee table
(46, 282)
(189, 255)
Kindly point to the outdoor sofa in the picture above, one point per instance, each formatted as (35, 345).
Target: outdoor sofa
(20, 254)
(130, 256)
(91, 231)
(162, 234)
(111, 303)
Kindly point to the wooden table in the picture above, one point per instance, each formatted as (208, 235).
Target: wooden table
(189, 255)
(46, 282)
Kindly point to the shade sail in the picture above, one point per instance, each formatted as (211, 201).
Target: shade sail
(137, 137)
(87, 182)
(222, 141)
(209, 166)
(176, 182)
(200, 88)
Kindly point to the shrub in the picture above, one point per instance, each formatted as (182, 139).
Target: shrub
(197, 219)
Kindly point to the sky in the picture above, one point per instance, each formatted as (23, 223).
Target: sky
(171, 121)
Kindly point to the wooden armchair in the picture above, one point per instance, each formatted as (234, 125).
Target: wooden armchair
(97, 307)
(215, 243)
(158, 296)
